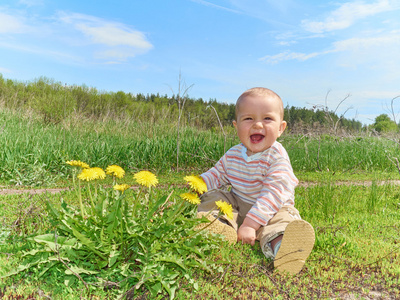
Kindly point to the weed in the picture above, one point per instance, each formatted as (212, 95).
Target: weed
(120, 240)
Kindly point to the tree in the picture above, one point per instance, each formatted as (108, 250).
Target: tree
(384, 124)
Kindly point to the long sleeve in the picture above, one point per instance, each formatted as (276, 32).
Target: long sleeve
(264, 180)
(216, 177)
(277, 190)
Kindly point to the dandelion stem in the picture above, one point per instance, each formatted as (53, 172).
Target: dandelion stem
(178, 212)
(137, 200)
(80, 199)
(91, 197)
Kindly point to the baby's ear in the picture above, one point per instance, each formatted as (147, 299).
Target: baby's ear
(234, 123)
(283, 127)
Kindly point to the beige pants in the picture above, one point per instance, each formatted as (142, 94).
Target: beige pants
(275, 227)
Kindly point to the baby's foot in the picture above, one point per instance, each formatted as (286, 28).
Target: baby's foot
(219, 227)
(297, 243)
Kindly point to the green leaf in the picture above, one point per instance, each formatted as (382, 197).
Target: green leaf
(70, 280)
(52, 210)
(32, 252)
(113, 257)
(87, 242)
(78, 270)
(155, 207)
(172, 259)
(45, 270)
(51, 241)
(156, 288)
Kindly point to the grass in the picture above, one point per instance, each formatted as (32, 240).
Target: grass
(34, 154)
(357, 248)
(357, 251)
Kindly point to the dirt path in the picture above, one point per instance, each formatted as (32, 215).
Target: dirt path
(5, 191)
(356, 183)
(8, 191)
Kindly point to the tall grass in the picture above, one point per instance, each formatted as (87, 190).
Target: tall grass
(26, 141)
(337, 154)
(35, 151)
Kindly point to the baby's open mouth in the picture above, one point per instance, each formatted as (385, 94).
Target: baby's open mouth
(256, 138)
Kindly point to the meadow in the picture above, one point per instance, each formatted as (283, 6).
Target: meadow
(348, 192)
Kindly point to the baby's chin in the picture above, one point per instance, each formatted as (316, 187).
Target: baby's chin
(254, 150)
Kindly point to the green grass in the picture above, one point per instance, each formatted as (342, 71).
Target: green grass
(34, 153)
(357, 249)
(355, 217)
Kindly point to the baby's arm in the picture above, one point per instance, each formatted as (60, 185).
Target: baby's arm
(247, 231)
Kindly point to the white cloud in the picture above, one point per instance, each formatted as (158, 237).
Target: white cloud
(347, 14)
(111, 35)
(366, 43)
(26, 48)
(287, 43)
(121, 41)
(207, 3)
(375, 48)
(289, 55)
(30, 3)
(4, 70)
(371, 94)
(11, 24)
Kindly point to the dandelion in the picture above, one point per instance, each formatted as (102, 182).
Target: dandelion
(121, 187)
(77, 163)
(225, 208)
(92, 174)
(146, 178)
(115, 170)
(191, 198)
(196, 183)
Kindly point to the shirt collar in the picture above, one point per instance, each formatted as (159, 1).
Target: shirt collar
(251, 157)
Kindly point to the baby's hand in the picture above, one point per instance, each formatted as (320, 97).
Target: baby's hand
(246, 235)
(247, 232)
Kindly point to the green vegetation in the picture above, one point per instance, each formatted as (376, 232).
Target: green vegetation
(384, 124)
(356, 251)
(119, 240)
(34, 153)
(55, 102)
(347, 191)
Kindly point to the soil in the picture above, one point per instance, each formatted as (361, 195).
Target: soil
(8, 191)
(31, 191)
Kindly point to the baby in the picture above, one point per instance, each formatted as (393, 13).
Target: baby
(262, 186)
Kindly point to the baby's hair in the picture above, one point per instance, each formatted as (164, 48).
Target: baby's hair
(260, 91)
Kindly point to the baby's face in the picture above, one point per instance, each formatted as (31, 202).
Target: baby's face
(259, 122)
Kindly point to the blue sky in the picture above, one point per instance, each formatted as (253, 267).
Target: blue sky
(303, 50)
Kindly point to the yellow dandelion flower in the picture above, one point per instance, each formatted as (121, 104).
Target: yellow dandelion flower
(121, 187)
(191, 198)
(146, 178)
(196, 183)
(99, 173)
(115, 170)
(77, 163)
(225, 208)
(92, 174)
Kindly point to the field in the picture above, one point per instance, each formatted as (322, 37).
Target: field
(348, 191)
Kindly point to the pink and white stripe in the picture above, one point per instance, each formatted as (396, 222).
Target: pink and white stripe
(267, 182)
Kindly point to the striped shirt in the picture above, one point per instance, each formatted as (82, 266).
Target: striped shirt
(264, 180)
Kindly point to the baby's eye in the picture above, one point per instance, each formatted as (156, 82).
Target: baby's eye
(248, 118)
(267, 118)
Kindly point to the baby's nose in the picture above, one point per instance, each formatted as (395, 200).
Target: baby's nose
(257, 124)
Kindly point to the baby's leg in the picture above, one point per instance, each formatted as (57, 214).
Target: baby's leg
(296, 245)
(208, 209)
(287, 239)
